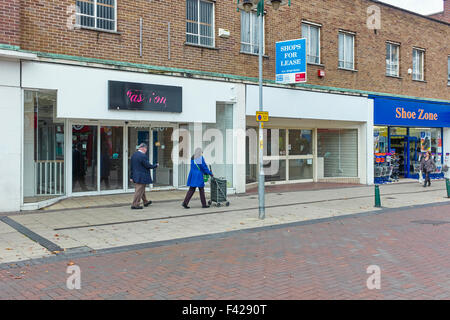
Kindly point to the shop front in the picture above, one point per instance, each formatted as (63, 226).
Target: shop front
(81, 126)
(406, 129)
(310, 137)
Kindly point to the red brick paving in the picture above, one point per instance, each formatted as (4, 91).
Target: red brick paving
(325, 260)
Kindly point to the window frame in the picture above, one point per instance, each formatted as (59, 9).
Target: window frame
(78, 16)
(393, 44)
(213, 25)
(256, 20)
(422, 51)
(448, 70)
(319, 27)
(347, 34)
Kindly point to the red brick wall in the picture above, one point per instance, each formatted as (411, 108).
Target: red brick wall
(10, 22)
(44, 28)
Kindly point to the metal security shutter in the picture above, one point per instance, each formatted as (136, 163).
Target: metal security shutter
(339, 148)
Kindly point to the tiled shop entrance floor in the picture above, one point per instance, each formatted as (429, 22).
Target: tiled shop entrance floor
(107, 227)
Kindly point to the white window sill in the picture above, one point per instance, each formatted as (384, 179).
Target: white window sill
(423, 81)
(316, 64)
(98, 29)
(254, 54)
(346, 69)
(393, 76)
(200, 46)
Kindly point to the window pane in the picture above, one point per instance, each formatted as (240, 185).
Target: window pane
(300, 142)
(341, 50)
(337, 152)
(300, 169)
(44, 164)
(84, 158)
(275, 170)
(275, 142)
(349, 51)
(192, 10)
(111, 158)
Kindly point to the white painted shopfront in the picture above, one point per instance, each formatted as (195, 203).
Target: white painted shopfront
(312, 136)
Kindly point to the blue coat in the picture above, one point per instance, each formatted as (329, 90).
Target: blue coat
(140, 168)
(195, 178)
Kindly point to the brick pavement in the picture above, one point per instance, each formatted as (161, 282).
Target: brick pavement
(326, 260)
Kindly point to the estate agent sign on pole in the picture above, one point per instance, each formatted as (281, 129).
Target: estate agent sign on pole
(291, 61)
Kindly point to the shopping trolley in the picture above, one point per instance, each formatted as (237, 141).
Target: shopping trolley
(218, 192)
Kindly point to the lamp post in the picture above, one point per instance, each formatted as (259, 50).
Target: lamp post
(247, 6)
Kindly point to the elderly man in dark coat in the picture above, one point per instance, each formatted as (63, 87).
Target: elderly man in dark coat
(140, 175)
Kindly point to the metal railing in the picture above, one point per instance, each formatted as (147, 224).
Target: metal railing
(49, 177)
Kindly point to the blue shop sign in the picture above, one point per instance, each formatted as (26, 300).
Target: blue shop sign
(410, 113)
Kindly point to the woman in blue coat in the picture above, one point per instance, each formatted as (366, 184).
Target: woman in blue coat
(195, 179)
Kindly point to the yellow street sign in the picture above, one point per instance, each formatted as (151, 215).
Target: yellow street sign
(262, 116)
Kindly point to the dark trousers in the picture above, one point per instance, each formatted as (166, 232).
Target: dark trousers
(139, 193)
(427, 178)
(190, 193)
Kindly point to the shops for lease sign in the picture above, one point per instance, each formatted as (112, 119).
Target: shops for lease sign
(291, 61)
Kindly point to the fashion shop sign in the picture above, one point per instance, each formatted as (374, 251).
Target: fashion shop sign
(144, 97)
(410, 112)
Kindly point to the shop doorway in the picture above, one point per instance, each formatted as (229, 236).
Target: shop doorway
(101, 157)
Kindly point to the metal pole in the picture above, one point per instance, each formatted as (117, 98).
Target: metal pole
(261, 194)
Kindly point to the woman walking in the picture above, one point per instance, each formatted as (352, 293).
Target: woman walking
(427, 166)
(195, 179)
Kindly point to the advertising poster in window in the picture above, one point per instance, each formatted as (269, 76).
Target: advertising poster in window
(425, 141)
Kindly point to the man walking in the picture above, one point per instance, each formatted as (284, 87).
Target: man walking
(140, 175)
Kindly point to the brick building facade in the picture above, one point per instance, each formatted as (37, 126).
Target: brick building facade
(65, 132)
(43, 26)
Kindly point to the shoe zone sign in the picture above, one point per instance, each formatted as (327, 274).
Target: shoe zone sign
(291, 61)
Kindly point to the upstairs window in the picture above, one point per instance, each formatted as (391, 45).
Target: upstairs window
(250, 32)
(448, 70)
(200, 22)
(392, 59)
(346, 50)
(97, 14)
(312, 34)
(418, 64)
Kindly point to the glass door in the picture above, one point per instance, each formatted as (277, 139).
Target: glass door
(162, 147)
(136, 136)
(84, 158)
(111, 158)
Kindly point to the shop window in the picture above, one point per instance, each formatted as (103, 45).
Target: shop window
(200, 22)
(337, 153)
(98, 14)
(300, 142)
(380, 139)
(216, 141)
(43, 156)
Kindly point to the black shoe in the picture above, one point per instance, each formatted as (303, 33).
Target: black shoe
(135, 208)
(184, 205)
(147, 203)
(206, 206)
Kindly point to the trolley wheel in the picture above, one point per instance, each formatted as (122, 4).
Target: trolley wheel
(218, 204)
(209, 202)
(227, 203)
